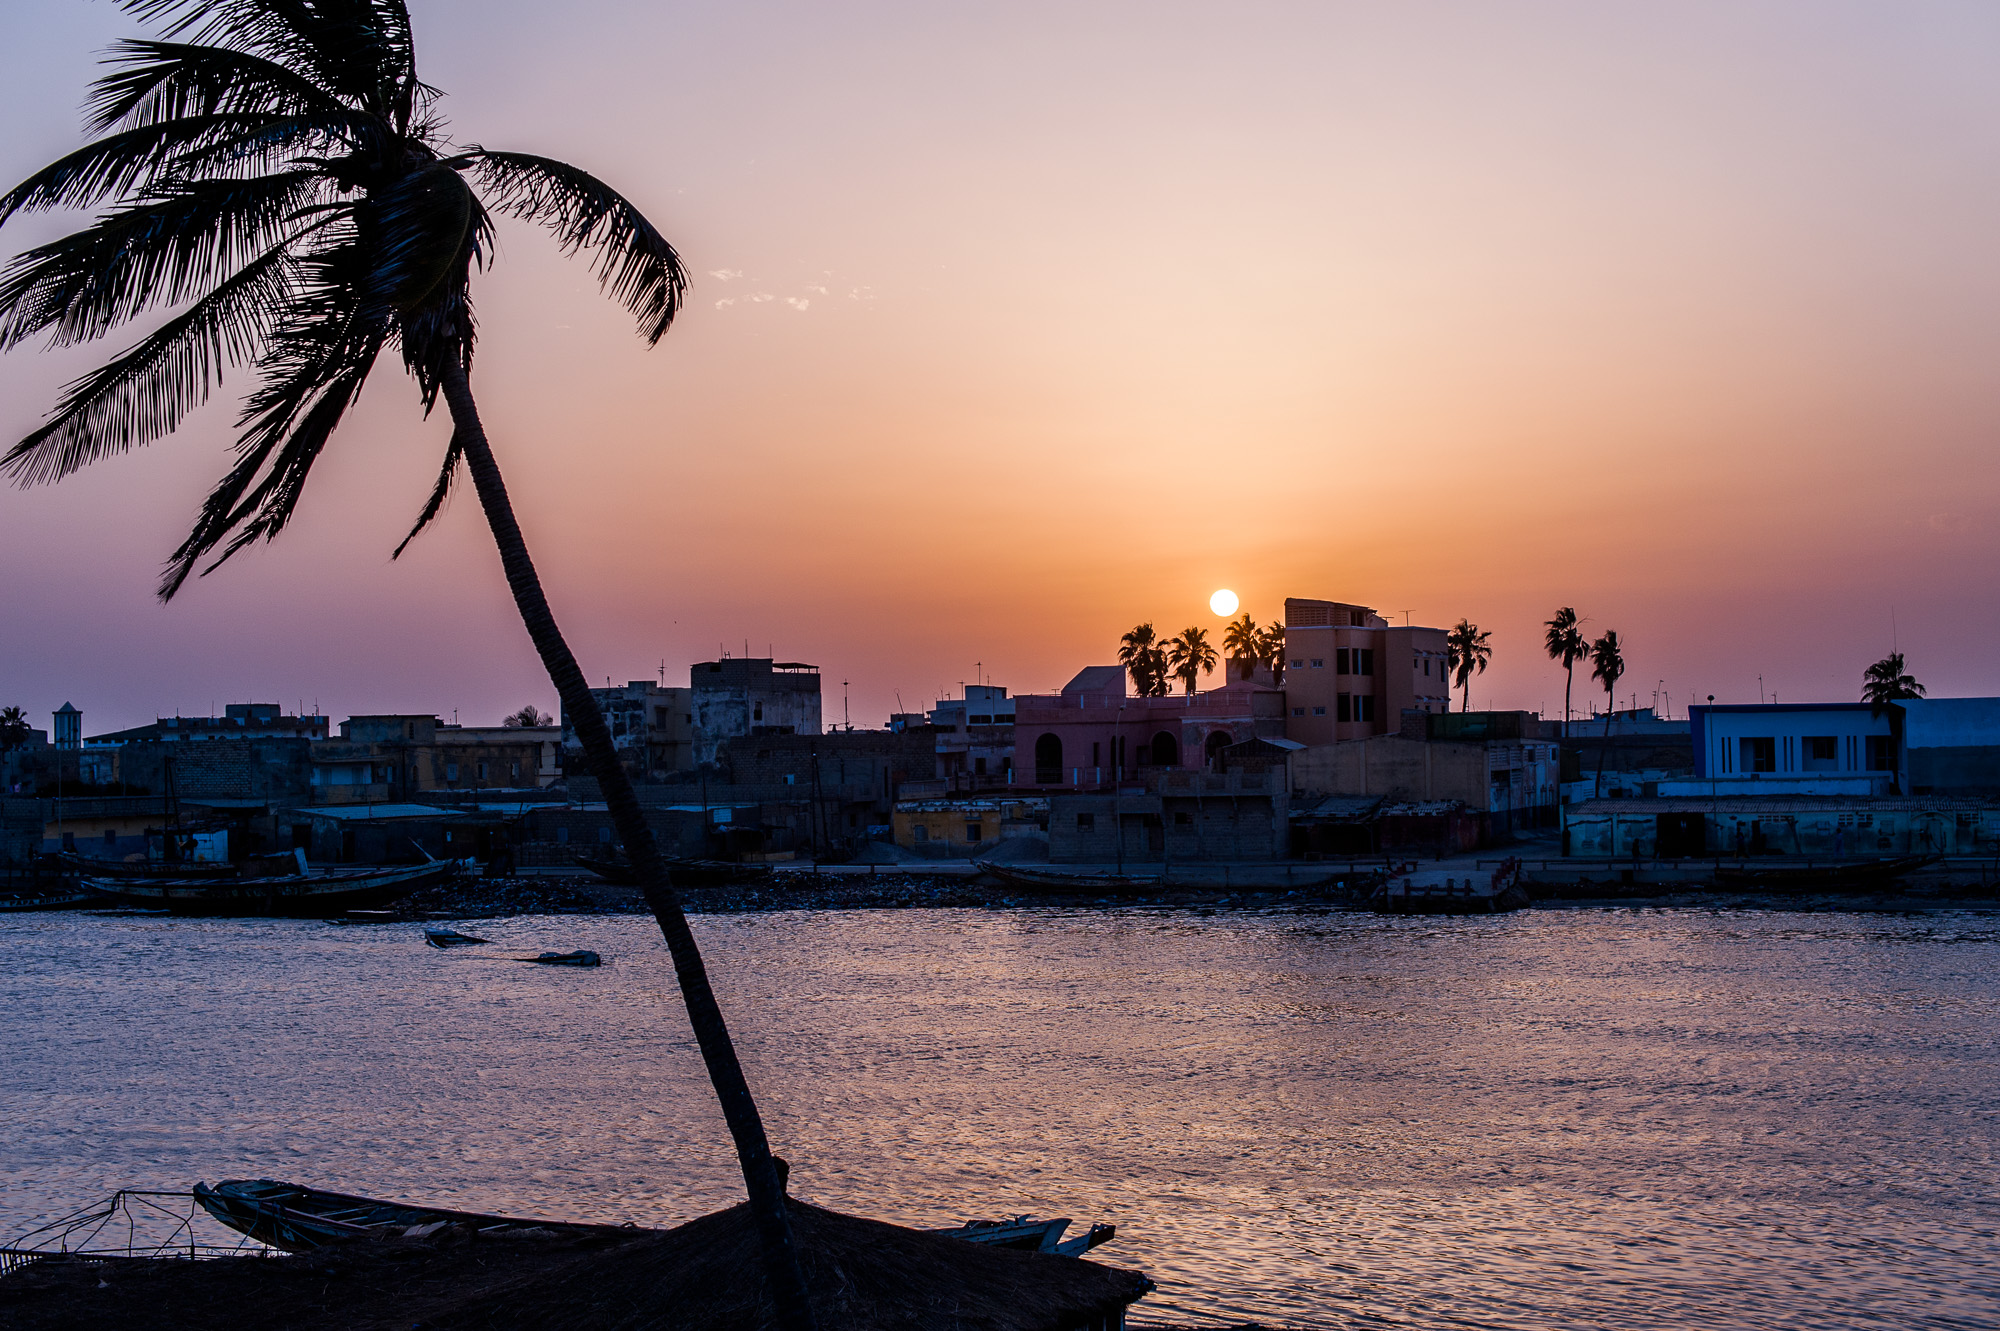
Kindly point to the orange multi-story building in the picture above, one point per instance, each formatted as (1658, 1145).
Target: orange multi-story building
(1350, 674)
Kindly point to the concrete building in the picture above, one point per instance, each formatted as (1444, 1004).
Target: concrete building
(259, 720)
(1093, 732)
(1828, 826)
(1791, 748)
(1350, 674)
(1949, 746)
(405, 756)
(1499, 764)
(651, 725)
(1174, 815)
(966, 825)
(974, 737)
(748, 696)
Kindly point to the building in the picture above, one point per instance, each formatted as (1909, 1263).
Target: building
(651, 725)
(402, 756)
(66, 728)
(966, 825)
(1505, 765)
(1093, 732)
(746, 696)
(974, 737)
(1791, 748)
(1828, 826)
(1949, 746)
(1350, 674)
(260, 720)
(252, 752)
(1174, 815)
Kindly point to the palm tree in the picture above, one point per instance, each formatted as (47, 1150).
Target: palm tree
(530, 715)
(14, 729)
(1140, 653)
(1566, 646)
(1885, 682)
(1271, 650)
(276, 170)
(1607, 663)
(1467, 652)
(1244, 642)
(1190, 656)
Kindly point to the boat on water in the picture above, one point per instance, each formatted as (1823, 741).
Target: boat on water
(295, 1218)
(1083, 884)
(1834, 875)
(1449, 892)
(449, 938)
(319, 893)
(299, 1219)
(684, 872)
(70, 863)
(57, 899)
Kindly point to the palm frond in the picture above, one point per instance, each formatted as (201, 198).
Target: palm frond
(454, 453)
(142, 395)
(634, 263)
(161, 81)
(110, 166)
(163, 251)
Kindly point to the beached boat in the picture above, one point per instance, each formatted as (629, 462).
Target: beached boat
(300, 1219)
(683, 872)
(1082, 884)
(1833, 876)
(1452, 892)
(70, 863)
(319, 893)
(449, 938)
(52, 899)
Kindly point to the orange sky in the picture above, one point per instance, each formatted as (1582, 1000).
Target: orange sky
(1015, 325)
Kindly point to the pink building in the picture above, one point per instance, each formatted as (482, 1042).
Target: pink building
(1094, 732)
(1349, 674)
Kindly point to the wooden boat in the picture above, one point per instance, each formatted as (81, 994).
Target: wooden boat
(577, 958)
(1438, 892)
(1031, 1235)
(1082, 884)
(1832, 876)
(69, 862)
(449, 938)
(682, 871)
(300, 1219)
(56, 899)
(320, 893)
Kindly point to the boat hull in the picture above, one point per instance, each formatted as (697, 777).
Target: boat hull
(1830, 877)
(295, 1218)
(312, 896)
(682, 872)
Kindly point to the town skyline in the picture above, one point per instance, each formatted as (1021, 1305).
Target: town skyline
(1483, 313)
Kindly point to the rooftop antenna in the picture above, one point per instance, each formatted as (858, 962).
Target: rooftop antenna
(1406, 619)
(977, 677)
(845, 723)
(663, 672)
(1760, 688)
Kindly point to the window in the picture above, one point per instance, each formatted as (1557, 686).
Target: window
(1820, 753)
(1318, 663)
(1364, 707)
(1427, 667)
(1095, 760)
(604, 836)
(1759, 755)
(1342, 659)
(920, 833)
(1364, 660)
(979, 765)
(562, 836)
(1183, 820)
(1356, 618)
(972, 831)
(757, 712)
(1299, 664)
(1300, 711)
(1317, 711)
(409, 730)
(1086, 822)
(1881, 753)
(110, 836)
(979, 720)
(516, 770)
(482, 771)
(1344, 707)
(451, 771)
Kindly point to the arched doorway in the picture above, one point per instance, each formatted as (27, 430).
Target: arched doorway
(1048, 760)
(1216, 742)
(1166, 750)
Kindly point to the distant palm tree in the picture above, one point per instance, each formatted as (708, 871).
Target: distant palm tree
(1271, 650)
(1566, 646)
(1884, 683)
(1139, 651)
(1468, 652)
(276, 171)
(1607, 663)
(14, 729)
(1190, 656)
(530, 715)
(1244, 642)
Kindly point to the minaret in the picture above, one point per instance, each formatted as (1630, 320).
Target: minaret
(67, 732)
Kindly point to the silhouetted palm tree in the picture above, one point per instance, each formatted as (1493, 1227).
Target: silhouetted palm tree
(1244, 642)
(277, 169)
(1140, 653)
(1607, 663)
(1271, 650)
(1885, 682)
(14, 729)
(530, 715)
(1468, 652)
(1567, 646)
(1190, 656)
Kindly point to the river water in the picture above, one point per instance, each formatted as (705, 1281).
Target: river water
(1626, 1118)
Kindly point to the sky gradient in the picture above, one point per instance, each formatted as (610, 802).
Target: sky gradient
(1013, 326)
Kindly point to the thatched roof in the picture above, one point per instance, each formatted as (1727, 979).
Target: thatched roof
(863, 1275)
(706, 1275)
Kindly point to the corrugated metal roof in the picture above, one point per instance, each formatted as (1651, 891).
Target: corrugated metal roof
(376, 812)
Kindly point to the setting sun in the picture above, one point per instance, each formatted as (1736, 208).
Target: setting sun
(1223, 603)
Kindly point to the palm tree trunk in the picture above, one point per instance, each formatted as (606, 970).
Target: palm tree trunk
(1604, 747)
(1569, 678)
(739, 1110)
